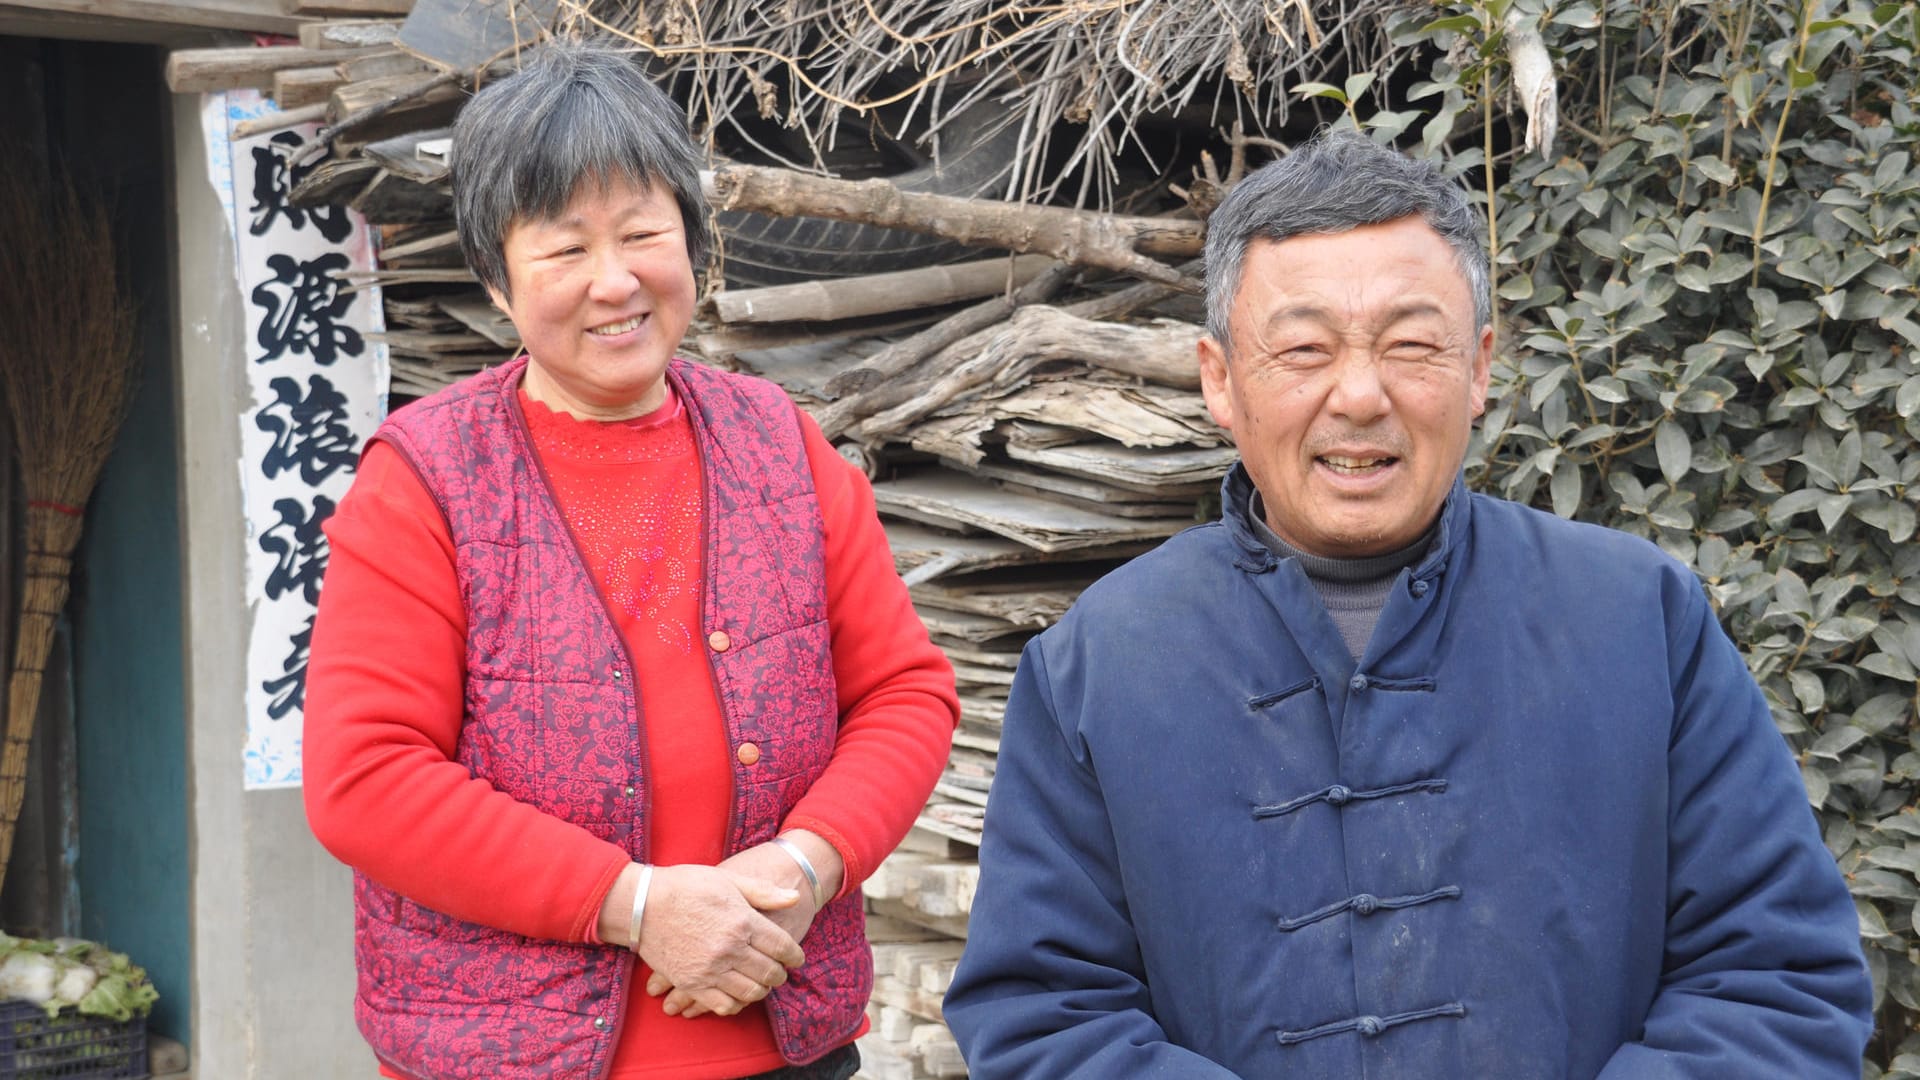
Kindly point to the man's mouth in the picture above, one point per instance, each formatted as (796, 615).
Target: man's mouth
(1355, 466)
(616, 328)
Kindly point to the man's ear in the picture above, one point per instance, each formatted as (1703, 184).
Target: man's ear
(1482, 370)
(499, 301)
(1216, 381)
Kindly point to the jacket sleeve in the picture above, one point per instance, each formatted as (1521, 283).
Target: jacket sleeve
(1763, 972)
(1052, 986)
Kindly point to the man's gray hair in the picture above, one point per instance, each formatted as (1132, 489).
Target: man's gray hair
(1336, 182)
(574, 113)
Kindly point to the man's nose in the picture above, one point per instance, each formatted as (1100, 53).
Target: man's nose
(1359, 390)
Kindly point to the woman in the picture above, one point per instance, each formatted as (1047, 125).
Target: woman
(611, 659)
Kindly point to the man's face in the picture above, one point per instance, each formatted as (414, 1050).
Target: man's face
(1351, 383)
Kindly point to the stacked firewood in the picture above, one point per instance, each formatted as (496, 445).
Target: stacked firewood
(1029, 420)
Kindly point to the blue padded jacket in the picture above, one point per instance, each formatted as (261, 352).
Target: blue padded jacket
(1543, 828)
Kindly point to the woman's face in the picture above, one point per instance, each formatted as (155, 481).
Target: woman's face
(601, 296)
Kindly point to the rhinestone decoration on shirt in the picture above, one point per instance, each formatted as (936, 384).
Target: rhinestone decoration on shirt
(638, 522)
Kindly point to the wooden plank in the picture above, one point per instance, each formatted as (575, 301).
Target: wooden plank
(335, 181)
(349, 33)
(410, 103)
(1034, 607)
(463, 35)
(433, 244)
(478, 314)
(195, 71)
(1125, 501)
(1141, 415)
(351, 8)
(1073, 491)
(884, 1060)
(941, 496)
(891, 991)
(395, 200)
(385, 64)
(295, 88)
(954, 791)
(946, 924)
(146, 20)
(922, 553)
(1185, 470)
(406, 155)
(876, 294)
(882, 930)
(938, 1054)
(921, 841)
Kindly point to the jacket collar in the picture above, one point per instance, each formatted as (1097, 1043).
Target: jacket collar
(1255, 557)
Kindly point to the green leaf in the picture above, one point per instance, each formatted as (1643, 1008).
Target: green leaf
(1600, 242)
(1808, 690)
(1890, 516)
(1836, 742)
(1693, 278)
(1818, 786)
(1715, 170)
(1675, 451)
(1896, 858)
(1565, 488)
(1357, 85)
(1456, 24)
(1320, 89)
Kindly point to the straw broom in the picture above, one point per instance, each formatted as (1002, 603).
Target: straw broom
(66, 367)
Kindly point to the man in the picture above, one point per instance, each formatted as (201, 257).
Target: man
(1380, 778)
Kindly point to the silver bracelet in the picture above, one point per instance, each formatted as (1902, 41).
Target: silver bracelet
(806, 867)
(639, 906)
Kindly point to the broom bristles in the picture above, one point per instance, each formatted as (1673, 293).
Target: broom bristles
(66, 335)
(66, 366)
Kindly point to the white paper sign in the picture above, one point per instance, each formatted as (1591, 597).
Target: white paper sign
(318, 390)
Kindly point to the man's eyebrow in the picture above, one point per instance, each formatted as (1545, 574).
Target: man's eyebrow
(1296, 312)
(1414, 306)
(1402, 309)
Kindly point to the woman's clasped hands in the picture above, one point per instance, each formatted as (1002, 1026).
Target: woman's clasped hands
(720, 938)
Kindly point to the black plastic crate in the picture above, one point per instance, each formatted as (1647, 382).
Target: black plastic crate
(70, 1046)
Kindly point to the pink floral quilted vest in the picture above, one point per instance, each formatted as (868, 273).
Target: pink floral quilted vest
(552, 719)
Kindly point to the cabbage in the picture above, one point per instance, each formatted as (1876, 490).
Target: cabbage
(69, 973)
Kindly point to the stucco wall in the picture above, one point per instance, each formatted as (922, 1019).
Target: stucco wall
(272, 911)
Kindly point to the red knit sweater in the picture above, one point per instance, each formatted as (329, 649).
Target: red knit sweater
(384, 705)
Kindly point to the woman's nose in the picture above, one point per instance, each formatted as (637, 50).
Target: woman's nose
(614, 281)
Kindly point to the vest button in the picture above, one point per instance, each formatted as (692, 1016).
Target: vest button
(1365, 904)
(629, 791)
(1339, 794)
(617, 676)
(1358, 684)
(748, 754)
(1369, 1026)
(719, 641)
(1419, 587)
(599, 1023)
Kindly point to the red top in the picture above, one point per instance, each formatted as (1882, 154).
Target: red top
(384, 705)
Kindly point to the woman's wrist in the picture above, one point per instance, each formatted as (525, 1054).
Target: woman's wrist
(615, 922)
(828, 868)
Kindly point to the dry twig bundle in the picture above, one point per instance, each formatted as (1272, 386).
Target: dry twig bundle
(66, 364)
(820, 70)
